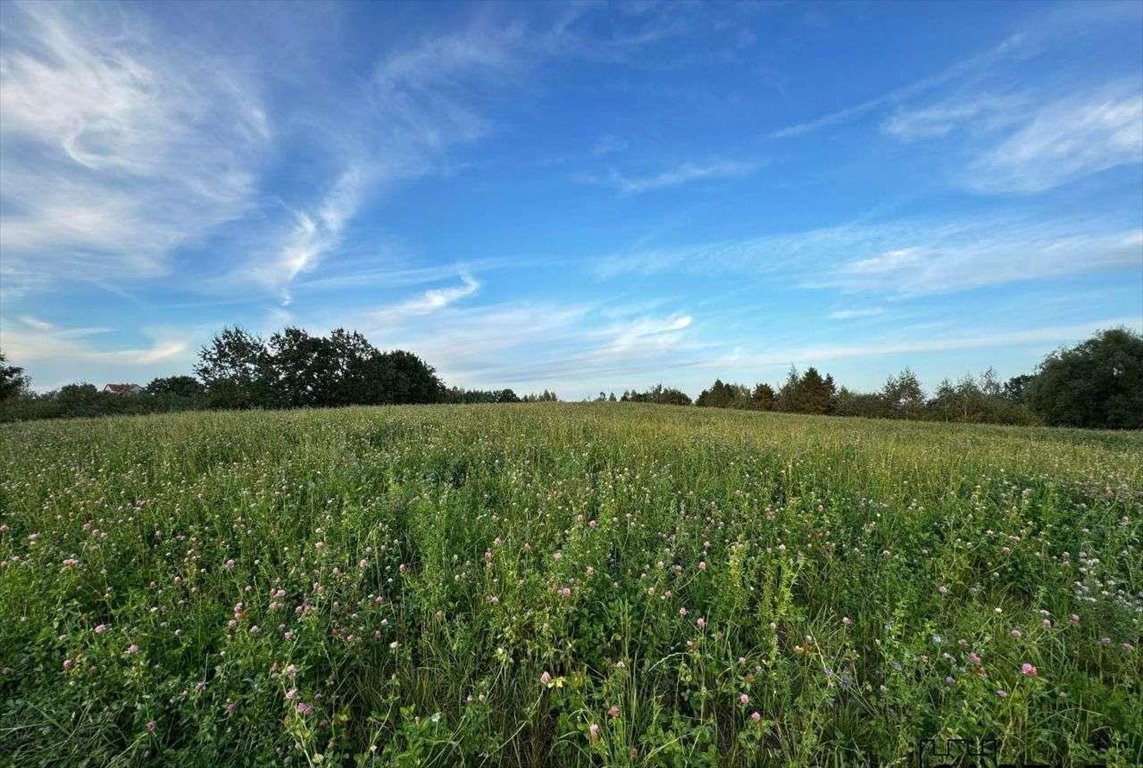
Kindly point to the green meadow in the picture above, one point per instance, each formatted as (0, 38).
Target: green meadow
(570, 585)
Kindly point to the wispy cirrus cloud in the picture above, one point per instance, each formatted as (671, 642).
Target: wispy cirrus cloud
(421, 101)
(684, 173)
(905, 257)
(856, 314)
(1011, 47)
(1005, 130)
(60, 350)
(313, 233)
(429, 301)
(817, 354)
(1029, 142)
(641, 335)
(945, 267)
(116, 148)
(1064, 140)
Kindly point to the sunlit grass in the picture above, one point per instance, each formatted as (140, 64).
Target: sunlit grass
(560, 584)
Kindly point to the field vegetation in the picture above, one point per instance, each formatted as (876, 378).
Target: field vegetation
(548, 584)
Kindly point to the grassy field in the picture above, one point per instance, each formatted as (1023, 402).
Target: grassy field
(564, 585)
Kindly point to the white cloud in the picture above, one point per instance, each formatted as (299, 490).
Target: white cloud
(314, 233)
(907, 256)
(1063, 141)
(965, 263)
(983, 111)
(645, 335)
(969, 68)
(1028, 142)
(420, 102)
(856, 314)
(681, 174)
(65, 353)
(815, 355)
(424, 95)
(115, 148)
(430, 301)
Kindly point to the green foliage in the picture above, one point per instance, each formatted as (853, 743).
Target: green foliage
(542, 397)
(657, 394)
(235, 367)
(1098, 383)
(808, 393)
(12, 379)
(176, 386)
(973, 400)
(297, 370)
(569, 585)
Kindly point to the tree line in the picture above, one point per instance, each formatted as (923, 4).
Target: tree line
(1096, 384)
(240, 370)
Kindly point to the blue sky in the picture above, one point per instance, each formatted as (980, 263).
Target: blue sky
(582, 197)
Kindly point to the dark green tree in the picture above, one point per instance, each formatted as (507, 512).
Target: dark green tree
(507, 396)
(235, 367)
(1016, 387)
(13, 381)
(1098, 383)
(178, 386)
(762, 398)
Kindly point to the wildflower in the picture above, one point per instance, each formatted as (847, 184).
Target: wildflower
(593, 523)
(847, 621)
(1016, 634)
(613, 711)
(558, 556)
(565, 592)
(100, 629)
(700, 622)
(974, 657)
(1105, 640)
(292, 694)
(943, 590)
(756, 716)
(1075, 619)
(683, 612)
(1028, 670)
(702, 565)
(151, 726)
(68, 664)
(545, 679)
(303, 709)
(743, 699)
(593, 730)
(228, 565)
(950, 680)
(132, 649)
(1002, 693)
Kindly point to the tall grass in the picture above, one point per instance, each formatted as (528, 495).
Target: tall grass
(564, 585)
